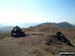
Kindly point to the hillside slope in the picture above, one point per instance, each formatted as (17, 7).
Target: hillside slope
(35, 43)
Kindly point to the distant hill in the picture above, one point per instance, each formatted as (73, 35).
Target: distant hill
(57, 25)
(6, 28)
(48, 24)
(1, 25)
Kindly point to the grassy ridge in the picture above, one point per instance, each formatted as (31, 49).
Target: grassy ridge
(35, 43)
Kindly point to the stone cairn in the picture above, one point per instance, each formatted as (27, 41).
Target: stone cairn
(17, 32)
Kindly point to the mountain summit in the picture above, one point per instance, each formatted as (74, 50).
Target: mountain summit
(57, 25)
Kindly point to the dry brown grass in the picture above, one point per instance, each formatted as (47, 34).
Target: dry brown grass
(35, 45)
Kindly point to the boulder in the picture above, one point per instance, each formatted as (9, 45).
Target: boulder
(17, 32)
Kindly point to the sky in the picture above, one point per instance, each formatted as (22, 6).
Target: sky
(36, 11)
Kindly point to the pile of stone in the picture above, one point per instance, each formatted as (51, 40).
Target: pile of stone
(17, 32)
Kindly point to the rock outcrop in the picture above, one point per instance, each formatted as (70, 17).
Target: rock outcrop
(59, 38)
(62, 38)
